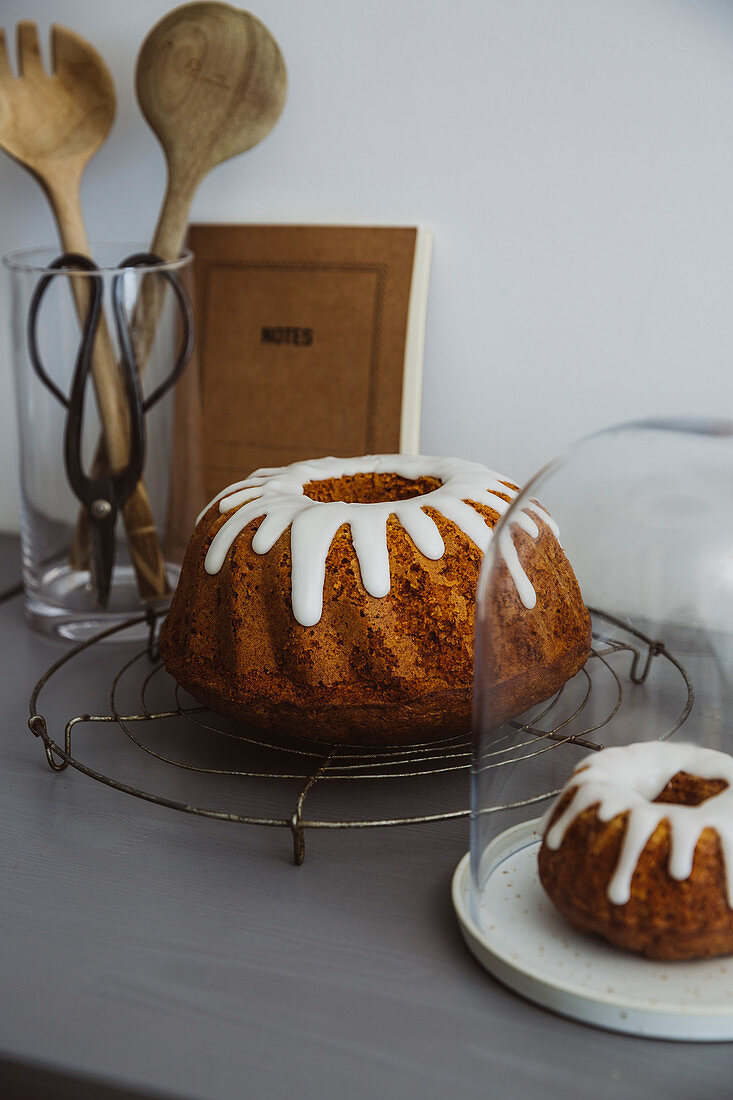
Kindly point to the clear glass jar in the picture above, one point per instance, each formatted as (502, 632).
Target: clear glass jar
(61, 595)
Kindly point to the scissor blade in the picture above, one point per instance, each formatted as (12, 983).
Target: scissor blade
(101, 557)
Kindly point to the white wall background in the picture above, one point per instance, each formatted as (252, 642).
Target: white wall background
(574, 157)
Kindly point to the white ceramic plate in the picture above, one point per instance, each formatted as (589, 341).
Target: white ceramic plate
(524, 942)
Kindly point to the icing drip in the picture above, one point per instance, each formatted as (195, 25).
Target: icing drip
(627, 780)
(277, 495)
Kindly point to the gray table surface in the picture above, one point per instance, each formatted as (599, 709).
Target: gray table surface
(148, 951)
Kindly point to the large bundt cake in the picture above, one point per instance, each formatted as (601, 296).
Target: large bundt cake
(639, 849)
(335, 599)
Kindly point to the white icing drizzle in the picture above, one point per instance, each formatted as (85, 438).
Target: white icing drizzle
(628, 779)
(277, 495)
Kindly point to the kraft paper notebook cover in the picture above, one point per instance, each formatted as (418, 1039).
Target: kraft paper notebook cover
(309, 342)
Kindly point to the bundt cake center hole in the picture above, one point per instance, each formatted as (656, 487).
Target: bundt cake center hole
(690, 790)
(369, 488)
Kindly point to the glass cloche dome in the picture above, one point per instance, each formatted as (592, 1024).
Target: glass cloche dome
(644, 515)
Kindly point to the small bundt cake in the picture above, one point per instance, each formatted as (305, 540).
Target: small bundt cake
(639, 849)
(335, 599)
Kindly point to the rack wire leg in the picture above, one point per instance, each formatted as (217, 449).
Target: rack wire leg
(296, 828)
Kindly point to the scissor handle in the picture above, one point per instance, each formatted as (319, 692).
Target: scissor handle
(126, 481)
(148, 259)
(74, 404)
(68, 261)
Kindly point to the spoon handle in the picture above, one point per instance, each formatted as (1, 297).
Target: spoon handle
(170, 231)
(167, 243)
(145, 552)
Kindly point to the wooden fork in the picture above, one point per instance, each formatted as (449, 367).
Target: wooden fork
(52, 124)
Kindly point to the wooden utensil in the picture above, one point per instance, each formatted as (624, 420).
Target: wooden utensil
(52, 125)
(211, 83)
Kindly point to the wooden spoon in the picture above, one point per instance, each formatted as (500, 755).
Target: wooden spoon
(52, 124)
(211, 83)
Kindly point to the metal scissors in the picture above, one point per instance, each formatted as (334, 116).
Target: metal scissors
(103, 496)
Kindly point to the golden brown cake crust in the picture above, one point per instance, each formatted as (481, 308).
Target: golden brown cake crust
(664, 918)
(373, 670)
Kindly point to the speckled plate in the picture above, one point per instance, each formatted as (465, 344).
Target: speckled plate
(521, 939)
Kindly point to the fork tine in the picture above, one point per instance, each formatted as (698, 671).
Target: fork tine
(29, 52)
(5, 70)
(64, 48)
(70, 52)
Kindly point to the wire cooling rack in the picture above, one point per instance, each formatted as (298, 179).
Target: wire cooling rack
(186, 758)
